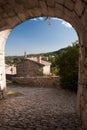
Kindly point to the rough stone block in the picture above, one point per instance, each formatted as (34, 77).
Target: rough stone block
(7, 8)
(16, 21)
(82, 103)
(1, 9)
(19, 8)
(84, 117)
(4, 34)
(85, 14)
(11, 14)
(43, 6)
(67, 15)
(5, 15)
(74, 0)
(79, 7)
(58, 11)
(50, 3)
(36, 12)
(84, 21)
(32, 13)
(86, 52)
(11, 3)
(20, 1)
(69, 4)
(59, 7)
(77, 23)
(31, 4)
(27, 3)
(1, 1)
(3, 24)
(85, 96)
(22, 17)
(60, 1)
(51, 12)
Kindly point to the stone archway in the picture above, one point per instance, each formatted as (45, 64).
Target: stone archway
(14, 12)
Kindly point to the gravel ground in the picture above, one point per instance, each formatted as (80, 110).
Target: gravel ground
(39, 109)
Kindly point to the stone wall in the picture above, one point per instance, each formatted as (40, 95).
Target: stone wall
(15, 12)
(28, 68)
(82, 105)
(38, 81)
(82, 91)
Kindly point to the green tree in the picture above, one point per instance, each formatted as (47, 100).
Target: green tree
(13, 60)
(54, 67)
(68, 64)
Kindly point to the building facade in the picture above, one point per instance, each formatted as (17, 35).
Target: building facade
(32, 67)
(10, 69)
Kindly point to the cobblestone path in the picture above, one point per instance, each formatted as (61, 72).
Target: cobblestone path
(39, 109)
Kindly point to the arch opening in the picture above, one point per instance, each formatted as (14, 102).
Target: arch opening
(44, 38)
(53, 25)
(68, 11)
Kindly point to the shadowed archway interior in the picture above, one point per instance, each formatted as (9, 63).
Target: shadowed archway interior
(14, 12)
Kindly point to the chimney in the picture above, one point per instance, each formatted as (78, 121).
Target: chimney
(39, 59)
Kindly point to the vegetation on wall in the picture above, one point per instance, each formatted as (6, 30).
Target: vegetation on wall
(13, 60)
(41, 71)
(66, 65)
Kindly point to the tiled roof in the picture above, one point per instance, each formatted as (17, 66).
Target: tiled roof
(40, 61)
(7, 66)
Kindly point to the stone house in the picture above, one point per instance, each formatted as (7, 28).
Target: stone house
(32, 67)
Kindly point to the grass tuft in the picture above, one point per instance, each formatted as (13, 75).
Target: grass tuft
(11, 93)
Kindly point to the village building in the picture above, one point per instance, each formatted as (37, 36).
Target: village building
(15, 12)
(10, 69)
(32, 67)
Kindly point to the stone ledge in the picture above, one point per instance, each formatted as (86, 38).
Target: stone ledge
(38, 81)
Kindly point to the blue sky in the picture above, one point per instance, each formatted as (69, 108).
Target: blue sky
(37, 36)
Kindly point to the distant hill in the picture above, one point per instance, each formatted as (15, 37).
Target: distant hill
(15, 59)
(54, 53)
(59, 51)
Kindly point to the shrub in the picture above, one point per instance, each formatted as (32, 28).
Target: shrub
(68, 64)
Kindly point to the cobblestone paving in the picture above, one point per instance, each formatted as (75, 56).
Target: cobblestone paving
(39, 109)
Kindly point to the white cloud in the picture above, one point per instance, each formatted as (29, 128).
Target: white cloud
(67, 24)
(41, 18)
(34, 19)
(55, 18)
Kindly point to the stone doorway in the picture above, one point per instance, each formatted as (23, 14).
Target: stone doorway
(14, 12)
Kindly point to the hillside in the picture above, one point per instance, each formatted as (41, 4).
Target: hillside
(49, 53)
(15, 59)
(54, 53)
